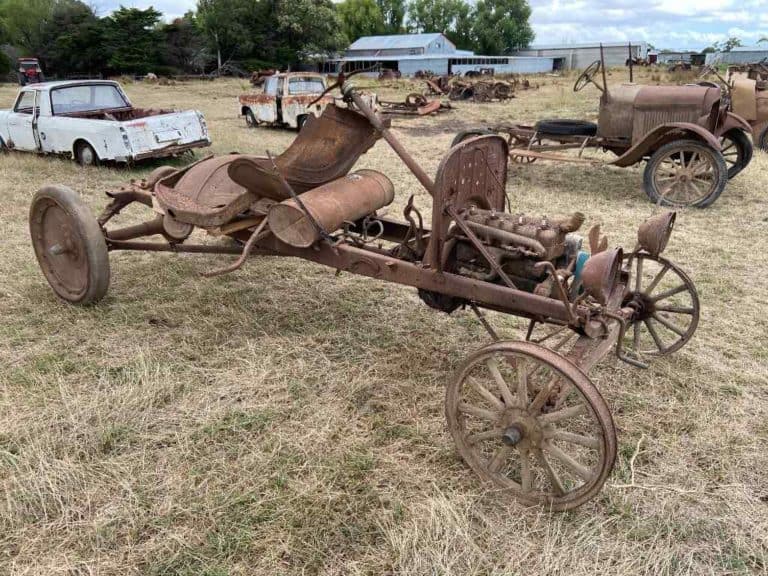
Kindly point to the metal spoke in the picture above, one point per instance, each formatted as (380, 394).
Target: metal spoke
(522, 385)
(499, 458)
(483, 436)
(554, 479)
(571, 463)
(493, 400)
(481, 413)
(654, 334)
(639, 278)
(586, 441)
(543, 395)
(669, 293)
(669, 325)
(675, 309)
(569, 412)
(636, 337)
(649, 290)
(526, 478)
(493, 367)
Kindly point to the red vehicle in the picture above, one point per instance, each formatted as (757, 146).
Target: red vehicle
(29, 71)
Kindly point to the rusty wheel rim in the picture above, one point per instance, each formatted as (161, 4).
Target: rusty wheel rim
(666, 306)
(529, 421)
(60, 249)
(517, 142)
(730, 151)
(685, 176)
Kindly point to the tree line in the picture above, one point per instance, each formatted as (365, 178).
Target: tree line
(72, 40)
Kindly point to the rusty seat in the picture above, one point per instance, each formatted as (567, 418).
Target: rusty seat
(213, 192)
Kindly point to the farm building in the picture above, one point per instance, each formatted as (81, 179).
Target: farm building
(740, 55)
(579, 56)
(410, 53)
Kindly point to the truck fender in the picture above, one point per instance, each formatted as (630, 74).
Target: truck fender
(663, 134)
(77, 141)
(730, 122)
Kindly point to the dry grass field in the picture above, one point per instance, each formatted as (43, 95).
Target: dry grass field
(282, 420)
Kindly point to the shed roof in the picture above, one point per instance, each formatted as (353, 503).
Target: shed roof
(395, 41)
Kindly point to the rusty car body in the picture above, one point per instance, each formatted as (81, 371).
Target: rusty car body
(524, 414)
(746, 92)
(691, 142)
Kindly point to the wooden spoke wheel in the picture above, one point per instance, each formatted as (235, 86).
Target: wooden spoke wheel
(685, 173)
(532, 423)
(736, 150)
(69, 245)
(666, 305)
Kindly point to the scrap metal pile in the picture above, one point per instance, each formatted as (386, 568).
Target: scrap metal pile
(482, 89)
(414, 105)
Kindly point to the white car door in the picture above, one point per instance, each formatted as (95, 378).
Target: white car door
(21, 122)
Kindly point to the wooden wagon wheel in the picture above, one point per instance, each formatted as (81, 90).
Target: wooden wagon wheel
(685, 173)
(532, 423)
(666, 304)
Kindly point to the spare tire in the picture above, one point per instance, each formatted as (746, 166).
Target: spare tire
(566, 127)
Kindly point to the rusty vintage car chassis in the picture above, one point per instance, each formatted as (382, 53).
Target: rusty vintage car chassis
(523, 414)
(692, 144)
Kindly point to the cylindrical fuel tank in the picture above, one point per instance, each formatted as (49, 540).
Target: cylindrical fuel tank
(347, 199)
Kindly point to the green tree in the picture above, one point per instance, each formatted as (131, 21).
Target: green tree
(451, 17)
(73, 40)
(308, 28)
(360, 18)
(393, 12)
(25, 22)
(132, 39)
(183, 47)
(225, 23)
(501, 26)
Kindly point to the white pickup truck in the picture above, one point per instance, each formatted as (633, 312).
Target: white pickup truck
(93, 121)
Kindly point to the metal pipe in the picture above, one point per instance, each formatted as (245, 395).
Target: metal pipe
(376, 122)
(144, 229)
(164, 247)
(508, 237)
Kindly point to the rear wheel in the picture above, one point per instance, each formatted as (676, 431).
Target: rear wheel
(69, 245)
(85, 155)
(250, 119)
(762, 139)
(685, 173)
(736, 150)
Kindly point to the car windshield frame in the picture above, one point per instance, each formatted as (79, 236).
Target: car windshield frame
(88, 107)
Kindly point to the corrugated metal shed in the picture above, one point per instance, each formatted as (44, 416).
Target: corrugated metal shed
(393, 42)
(740, 55)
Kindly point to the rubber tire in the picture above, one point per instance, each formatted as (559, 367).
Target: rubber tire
(762, 140)
(300, 121)
(745, 150)
(466, 134)
(250, 119)
(722, 177)
(566, 127)
(80, 150)
(89, 231)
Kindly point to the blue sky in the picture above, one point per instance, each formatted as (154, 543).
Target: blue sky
(682, 24)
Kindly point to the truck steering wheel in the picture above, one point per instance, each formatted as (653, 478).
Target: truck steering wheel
(588, 76)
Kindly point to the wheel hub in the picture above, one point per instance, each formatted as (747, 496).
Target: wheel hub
(520, 429)
(642, 304)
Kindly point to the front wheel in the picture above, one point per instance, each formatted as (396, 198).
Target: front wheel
(532, 423)
(250, 119)
(737, 151)
(69, 245)
(665, 303)
(685, 173)
(761, 138)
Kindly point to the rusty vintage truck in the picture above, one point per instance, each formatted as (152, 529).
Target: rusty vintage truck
(287, 100)
(290, 98)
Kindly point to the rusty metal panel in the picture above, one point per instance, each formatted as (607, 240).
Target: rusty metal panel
(617, 111)
(744, 100)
